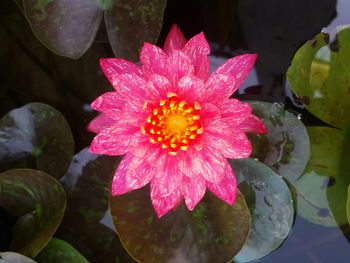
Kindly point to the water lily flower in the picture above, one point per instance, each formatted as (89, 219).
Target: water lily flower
(175, 124)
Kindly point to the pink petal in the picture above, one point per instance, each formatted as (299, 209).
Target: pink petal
(164, 204)
(166, 185)
(127, 111)
(238, 68)
(233, 144)
(197, 48)
(119, 186)
(100, 122)
(233, 112)
(210, 114)
(218, 88)
(112, 67)
(190, 88)
(208, 163)
(226, 189)
(113, 140)
(253, 124)
(134, 172)
(107, 101)
(174, 41)
(131, 88)
(142, 169)
(153, 60)
(157, 87)
(193, 190)
(179, 65)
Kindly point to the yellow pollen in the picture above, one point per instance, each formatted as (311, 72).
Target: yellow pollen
(182, 104)
(197, 106)
(192, 136)
(143, 131)
(171, 94)
(184, 147)
(174, 124)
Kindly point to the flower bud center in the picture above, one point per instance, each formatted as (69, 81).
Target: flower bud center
(174, 124)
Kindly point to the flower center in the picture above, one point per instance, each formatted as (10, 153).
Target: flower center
(174, 124)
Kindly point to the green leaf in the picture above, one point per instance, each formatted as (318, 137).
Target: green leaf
(130, 23)
(322, 190)
(67, 27)
(285, 148)
(338, 191)
(271, 205)
(319, 76)
(39, 202)
(12, 257)
(212, 232)
(87, 224)
(59, 251)
(36, 136)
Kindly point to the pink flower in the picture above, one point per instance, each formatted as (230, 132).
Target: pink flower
(174, 123)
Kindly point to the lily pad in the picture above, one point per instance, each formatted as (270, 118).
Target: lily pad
(87, 224)
(36, 136)
(12, 257)
(319, 76)
(212, 232)
(67, 27)
(271, 205)
(39, 202)
(322, 190)
(59, 251)
(130, 23)
(312, 202)
(285, 148)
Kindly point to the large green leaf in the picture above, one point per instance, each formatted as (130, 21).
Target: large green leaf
(271, 205)
(12, 257)
(319, 75)
(322, 190)
(39, 202)
(67, 27)
(59, 251)
(87, 224)
(213, 232)
(285, 148)
(338, 191)
(36, 136)
(130, 23)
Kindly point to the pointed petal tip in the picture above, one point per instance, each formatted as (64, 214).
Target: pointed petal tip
(160, 213)
(175, 40)
(251, 57)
